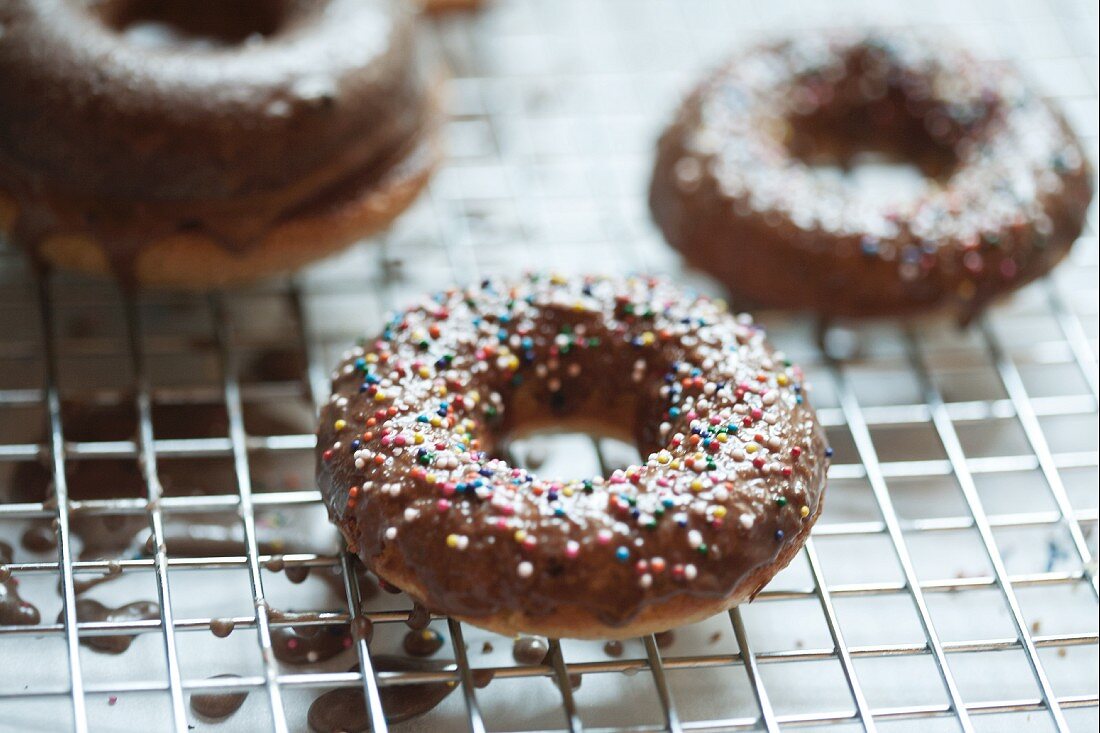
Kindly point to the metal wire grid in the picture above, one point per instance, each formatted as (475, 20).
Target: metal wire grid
(458, 235)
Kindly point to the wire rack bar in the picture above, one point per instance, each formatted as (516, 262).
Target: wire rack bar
(767, 714)
(148, 462)
(868, 454)
(246, 509)
(1014, 386)
(824, 597)
(950, 440)
(61, 497)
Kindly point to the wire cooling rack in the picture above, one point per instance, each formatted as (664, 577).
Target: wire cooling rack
(951, 582)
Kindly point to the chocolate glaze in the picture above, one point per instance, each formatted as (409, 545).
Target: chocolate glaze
(735, 469)
(343, 710)
(14, 611)
(423, 643)
(222, 627)
(613, 648)
(530, 650)
(309, 644)
(88, 610)
(734, 190)
(114, 120)
(419, 617)
(217, 705)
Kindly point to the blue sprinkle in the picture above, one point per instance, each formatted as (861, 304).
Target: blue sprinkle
(622, 554)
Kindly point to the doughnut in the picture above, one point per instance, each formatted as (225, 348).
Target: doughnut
(409, 456)
(1002, 195)
(199, 143)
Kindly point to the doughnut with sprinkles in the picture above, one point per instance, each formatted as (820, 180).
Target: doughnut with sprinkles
(732, 480)
(1004, 194)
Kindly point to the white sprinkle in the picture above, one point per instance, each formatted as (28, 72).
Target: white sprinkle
(391, 533)
(690, 572)
(525, 569)
(411, 514)
(645, 581)
(747, 520)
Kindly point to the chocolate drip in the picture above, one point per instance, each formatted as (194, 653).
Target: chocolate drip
(343, 710)
(222, 627)
(613, 649)
(419, 617)
(530, 650)
(664, 639)
(88, 610)
(423, 643)
(39, 537)
(14, 611)
(309, 644)
(83, 585)
(217, 705)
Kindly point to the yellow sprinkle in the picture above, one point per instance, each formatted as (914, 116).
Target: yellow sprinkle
(452, 540)
(340, 424)
(520, 535)
(722, 437)
(379, 396)
(430, 478)
(719, 511)
(436, 421)
(418, 438)
(648, 338)
(804, 511)
(424, 372)
(697, 485)
(372, 358)
(664, 457)
(752, 448)
(782, 380)
(567, 491)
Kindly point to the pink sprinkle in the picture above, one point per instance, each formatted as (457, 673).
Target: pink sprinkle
(572, 549)
(443, 505)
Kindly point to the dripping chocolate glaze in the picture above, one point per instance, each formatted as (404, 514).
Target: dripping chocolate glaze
(217, 705)
(343, 710)
(14, 611)
(481, 536)
(530, 650)
(136, 143)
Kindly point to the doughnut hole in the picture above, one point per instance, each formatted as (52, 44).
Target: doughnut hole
(195, 24)
(870, 132)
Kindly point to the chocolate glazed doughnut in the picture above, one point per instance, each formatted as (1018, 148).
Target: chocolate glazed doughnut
(203, 142)
(731, 485)
(1005, 194)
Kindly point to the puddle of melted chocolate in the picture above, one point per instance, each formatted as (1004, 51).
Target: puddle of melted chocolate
(309, 644)
(14, 611)
(217, 705)
(344, 710)
(423, 643)
(91, 610)
(107, 536)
